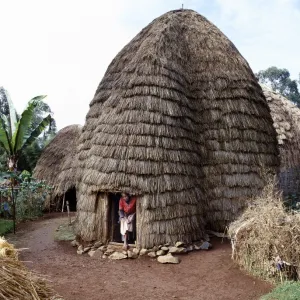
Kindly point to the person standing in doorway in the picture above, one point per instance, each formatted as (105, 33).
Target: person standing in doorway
(127, 209)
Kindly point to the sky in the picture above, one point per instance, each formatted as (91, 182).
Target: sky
(62, 48)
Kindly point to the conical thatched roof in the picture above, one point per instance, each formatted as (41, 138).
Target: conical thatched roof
(57, 163)
(179, 119)
(286, 118)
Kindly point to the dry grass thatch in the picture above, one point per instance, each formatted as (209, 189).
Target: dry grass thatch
(17, 282)
(286, 118)
(180, 119)
(266, 238)
(57, 163)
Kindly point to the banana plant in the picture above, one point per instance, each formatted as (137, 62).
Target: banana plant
(16, 133)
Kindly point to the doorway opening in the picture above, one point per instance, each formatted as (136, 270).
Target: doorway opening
(71, 197)
(114, 222)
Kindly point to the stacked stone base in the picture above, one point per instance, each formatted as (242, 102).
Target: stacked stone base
(163, 253)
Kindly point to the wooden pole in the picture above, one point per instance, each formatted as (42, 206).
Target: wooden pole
(68, 210)
(63, 204)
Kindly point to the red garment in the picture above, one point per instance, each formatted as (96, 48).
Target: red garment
(128, 208)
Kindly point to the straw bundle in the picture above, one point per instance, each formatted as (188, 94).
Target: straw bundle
(7, 250)
(17, 282)
(266, 238)
(180, 120)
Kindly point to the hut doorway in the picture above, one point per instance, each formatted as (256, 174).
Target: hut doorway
(113, 220)
(71, 197)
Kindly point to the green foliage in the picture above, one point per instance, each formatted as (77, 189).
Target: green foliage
(17, 134)
(279, 80)
(6, 226)
(30, 200)
(29, 195)
(285, 291)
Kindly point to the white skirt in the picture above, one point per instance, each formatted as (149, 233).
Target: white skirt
(126, 224)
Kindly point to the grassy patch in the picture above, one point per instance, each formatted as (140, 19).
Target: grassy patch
(285, 291)
(64, 232)
(5, 226)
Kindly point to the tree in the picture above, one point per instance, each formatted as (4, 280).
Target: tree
(17, 133)
(279, 80)
(30, 155)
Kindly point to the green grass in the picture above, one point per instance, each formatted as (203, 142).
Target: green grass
(5, 226)
(285, 291)
(64, 232)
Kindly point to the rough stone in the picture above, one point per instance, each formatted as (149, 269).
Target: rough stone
(197, 246)
(124, 252)
(117, 256)
(205, 246)
(97, 254)
(168, 259)
(80, 248)
(160, 252)
(152, 254)
(154, 249)
(109, 251)
(179, 244)
(91, 253)
(164, 248)
(104, 256)
(103, 248)
(74, 243)
(167, 244)
(143, 252)
(190, 248)
(177, 250)
(136, 251)
(80, 252)
(98, 244)
(131, 254)
(86, 249)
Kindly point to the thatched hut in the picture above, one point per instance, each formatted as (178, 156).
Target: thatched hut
(57, 166)
(286, 118)
(180, 121)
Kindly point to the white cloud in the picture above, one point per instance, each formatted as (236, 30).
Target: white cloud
(62, 48)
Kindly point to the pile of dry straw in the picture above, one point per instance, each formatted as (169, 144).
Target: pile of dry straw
(16, 281)
(266, 238)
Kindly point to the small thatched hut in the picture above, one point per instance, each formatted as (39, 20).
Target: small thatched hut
(286, 118)
(57, 166)
(180, 121)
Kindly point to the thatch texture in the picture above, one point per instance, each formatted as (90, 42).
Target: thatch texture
(286, 118)
(19, 283)
(57, 163)
(266, 238)
(180, 119)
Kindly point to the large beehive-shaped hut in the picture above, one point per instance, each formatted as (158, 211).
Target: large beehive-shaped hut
(57, 165)
(179, 120)
(286, 118)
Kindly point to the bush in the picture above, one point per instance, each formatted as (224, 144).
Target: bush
(6, 226)
(285, 291)
(30, 200)
(266, 238)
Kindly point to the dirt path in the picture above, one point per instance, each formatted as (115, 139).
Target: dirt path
(201, 275)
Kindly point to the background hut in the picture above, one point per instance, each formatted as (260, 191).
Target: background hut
(286, 118)
(179, 120)
(57, 166)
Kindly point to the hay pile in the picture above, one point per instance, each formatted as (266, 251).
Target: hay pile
(266, 238)
(17, 282)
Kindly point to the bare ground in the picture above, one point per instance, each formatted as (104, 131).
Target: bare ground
(210, 275)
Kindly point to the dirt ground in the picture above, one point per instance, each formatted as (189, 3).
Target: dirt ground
(202, 275)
